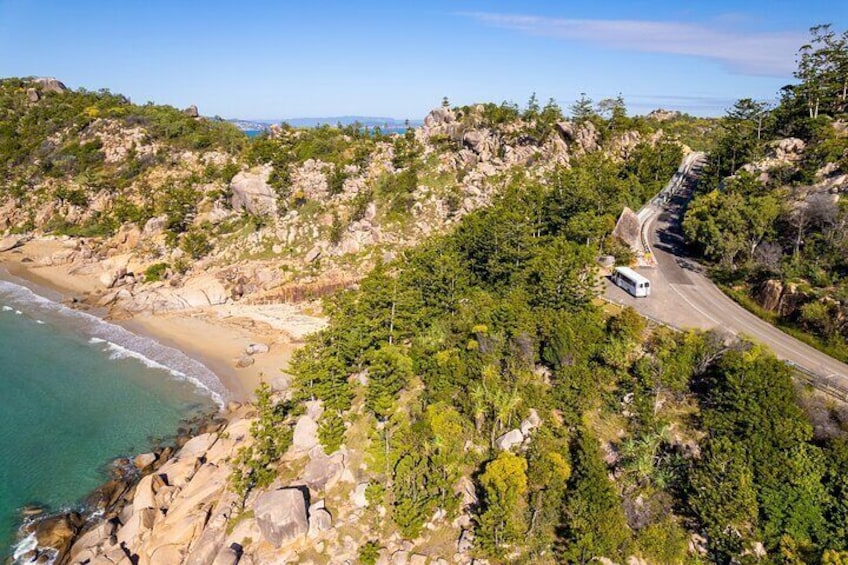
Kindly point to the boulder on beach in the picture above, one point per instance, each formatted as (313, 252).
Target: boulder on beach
(9, 243)
(245, 361)
(255, 348)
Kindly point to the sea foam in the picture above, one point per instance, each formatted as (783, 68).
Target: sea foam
(120, 343)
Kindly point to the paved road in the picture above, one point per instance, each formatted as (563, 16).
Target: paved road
(684, 297)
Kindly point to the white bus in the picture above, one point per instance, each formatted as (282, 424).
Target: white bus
(632, 282)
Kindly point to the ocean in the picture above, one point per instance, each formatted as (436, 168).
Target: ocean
(76, 392)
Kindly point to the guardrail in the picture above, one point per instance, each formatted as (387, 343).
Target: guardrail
(831, 385)
(656, 203)
(646, 316)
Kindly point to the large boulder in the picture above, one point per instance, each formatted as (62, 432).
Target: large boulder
(9, 243)
(628, 229)
(790, 149)
(251, 192)
(50, 84)
(322, 472)
(358, 495)
(320, 520)
(531, 422)
(439, 117)
(662, 115)
(587, 137)
(769, 294)
(256, 348)
(442, 122)
(583, 136)
(281, 515)
(154, 226)
(203, 291)
(509, 440)
(305, 433)
(481, 143)
(58, 532)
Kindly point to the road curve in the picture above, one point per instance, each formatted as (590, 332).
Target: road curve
(685, 298)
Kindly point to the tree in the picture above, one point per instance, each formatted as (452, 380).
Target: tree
(502, 523)
(751, 402)
(715, 224)
(548, 473)
(531, 112)
(723, 496)
(614, 111)
(582, 108)
(594, 523)
(823, 71)
(449, 433)
(389, 370)
(665, 542)
(255, 464)
(331, 432)
(561, 275)
(836, 479)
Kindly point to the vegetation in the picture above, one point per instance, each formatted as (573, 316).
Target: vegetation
(255, 465)
(757, 227)
(478, 362)
(459, 338)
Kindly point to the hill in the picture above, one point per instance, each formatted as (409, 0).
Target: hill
(468, 399)
(772, 213)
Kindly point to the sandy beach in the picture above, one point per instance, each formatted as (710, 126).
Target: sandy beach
(216, 336)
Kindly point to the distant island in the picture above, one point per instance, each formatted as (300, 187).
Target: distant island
(385, 124)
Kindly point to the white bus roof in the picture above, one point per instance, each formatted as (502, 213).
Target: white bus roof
(631, 274)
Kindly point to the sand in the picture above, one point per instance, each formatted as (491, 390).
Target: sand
(215, 336)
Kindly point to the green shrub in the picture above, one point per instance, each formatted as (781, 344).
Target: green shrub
(196, 244)
(155, 272)
(369, 553)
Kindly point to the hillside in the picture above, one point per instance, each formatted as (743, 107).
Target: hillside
(772, 212)
(295, 213)
(469, 399)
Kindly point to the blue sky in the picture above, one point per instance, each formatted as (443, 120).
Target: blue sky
(264, 59)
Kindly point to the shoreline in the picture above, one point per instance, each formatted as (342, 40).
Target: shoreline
(216, 337)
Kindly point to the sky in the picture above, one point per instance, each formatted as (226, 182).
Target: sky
(255, 59)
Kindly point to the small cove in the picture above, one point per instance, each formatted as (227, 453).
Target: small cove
(76, 392)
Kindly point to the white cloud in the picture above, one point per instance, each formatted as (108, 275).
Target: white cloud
(752, 53)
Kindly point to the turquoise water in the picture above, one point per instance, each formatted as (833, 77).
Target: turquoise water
(75, 393)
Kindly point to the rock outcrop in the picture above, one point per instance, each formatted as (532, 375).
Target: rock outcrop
(11, 242)
(785, 300)
(50, 84)
(662, 115)
(183, 511)
(582, 137)
(790, 149)
(252, 193)
(628, 229)
(281, 515)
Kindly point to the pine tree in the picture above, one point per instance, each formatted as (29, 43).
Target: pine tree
(595, 525)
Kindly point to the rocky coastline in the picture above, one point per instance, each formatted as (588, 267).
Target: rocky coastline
(49, 537)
